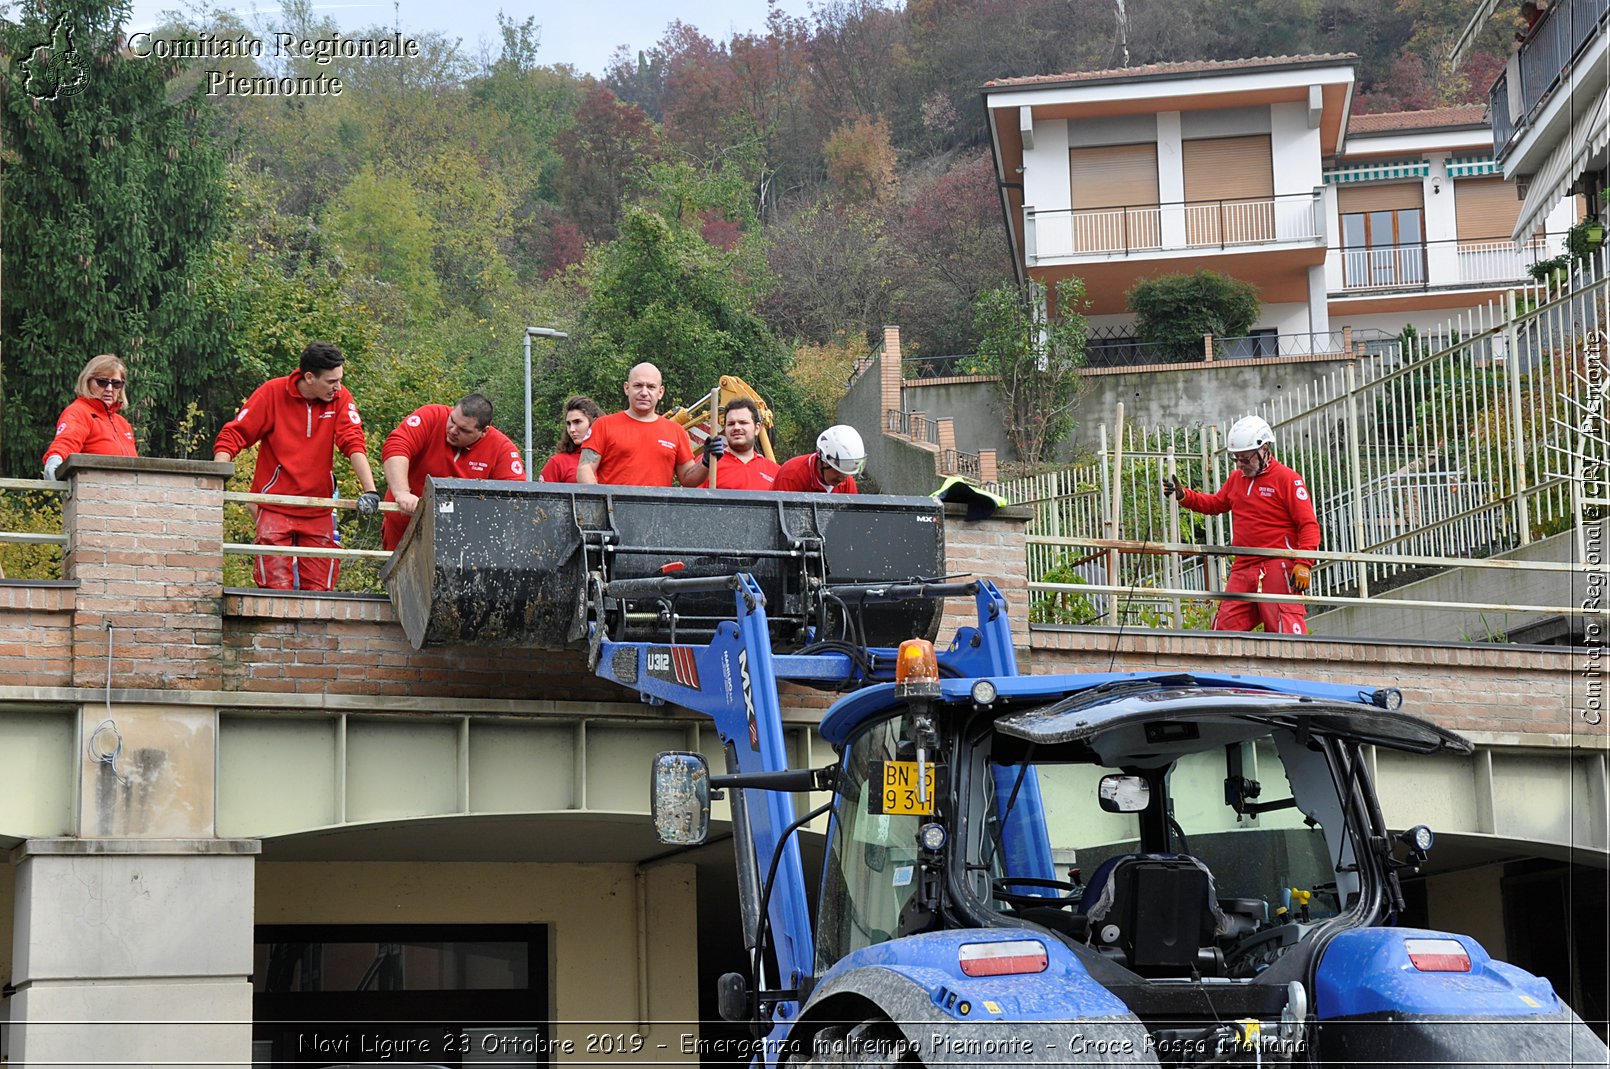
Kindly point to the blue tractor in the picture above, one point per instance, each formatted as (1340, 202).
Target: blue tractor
(1142, 868)
(1158, 868)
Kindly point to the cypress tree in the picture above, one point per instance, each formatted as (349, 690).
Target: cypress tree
(113, 197)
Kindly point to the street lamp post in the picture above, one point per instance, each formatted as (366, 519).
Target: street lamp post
(533, 332)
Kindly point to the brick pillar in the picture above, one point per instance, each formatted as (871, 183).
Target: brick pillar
(994, 549)
(989, 470)
(946, 426)
(891, 378)
(145, 546)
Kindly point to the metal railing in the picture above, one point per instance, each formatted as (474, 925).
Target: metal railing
(1555, 42)
(1066, 233)
(1421, 265)
(914, 425)
(1418, 457)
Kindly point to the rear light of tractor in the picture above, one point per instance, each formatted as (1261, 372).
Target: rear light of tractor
(1437, 955)
(1002, 959)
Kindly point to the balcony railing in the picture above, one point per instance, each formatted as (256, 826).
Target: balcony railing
(1555, 42)
(1425, 265)
(1069, 233)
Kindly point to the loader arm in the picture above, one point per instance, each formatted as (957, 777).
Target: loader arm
(733, 680)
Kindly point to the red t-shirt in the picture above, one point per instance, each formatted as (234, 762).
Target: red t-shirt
(757, 473)
(561, 468)
(298, 439)
(88, 425)
(800, 474)
(634, 452)
(422, 438)
(1269, 511)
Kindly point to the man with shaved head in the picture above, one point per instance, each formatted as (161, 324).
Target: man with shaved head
(639, 447)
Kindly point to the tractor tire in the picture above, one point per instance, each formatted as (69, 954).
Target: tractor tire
(875, 1043)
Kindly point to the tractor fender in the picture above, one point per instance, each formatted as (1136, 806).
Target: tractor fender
(1057, 1016)
(1374, 1004)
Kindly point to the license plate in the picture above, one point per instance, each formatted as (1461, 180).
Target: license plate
(897, 792)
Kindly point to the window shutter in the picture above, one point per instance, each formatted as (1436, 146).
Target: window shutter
(1392, 196)
(1114, 198)
(1228, 168)
(1485, 209)
(1229, 190)
(1113, 176)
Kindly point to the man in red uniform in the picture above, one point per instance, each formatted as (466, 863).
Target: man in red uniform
(840, 456)
(1269, 509)
(299, 419)
(449, 443)
(742, 466)
(638, 447)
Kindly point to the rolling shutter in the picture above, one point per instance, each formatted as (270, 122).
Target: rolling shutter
(1485, 209)
(1114, 198)
(1228, 168)
(1229, 190)
(1113, 176)
(1390, 197)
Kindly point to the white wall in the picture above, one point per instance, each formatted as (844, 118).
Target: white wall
(1296, 148)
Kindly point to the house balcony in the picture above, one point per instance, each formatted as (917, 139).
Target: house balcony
(1110, 248)
(1435, 265)
(1545, 65)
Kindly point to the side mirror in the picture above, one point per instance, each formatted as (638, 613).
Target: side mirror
(679, 795)
(1124, 794)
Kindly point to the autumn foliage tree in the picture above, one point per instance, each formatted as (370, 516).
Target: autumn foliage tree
(603, 156)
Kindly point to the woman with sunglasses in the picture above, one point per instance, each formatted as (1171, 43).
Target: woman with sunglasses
(93, 422)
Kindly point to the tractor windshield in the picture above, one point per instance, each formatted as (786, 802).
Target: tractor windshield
(871, 868)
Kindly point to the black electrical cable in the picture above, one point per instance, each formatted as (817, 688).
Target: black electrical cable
(765, 903)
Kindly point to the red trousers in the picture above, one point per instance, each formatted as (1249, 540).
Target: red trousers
(1261, 575)
(316, 531)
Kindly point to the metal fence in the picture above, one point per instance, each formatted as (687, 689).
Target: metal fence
(1439, 450)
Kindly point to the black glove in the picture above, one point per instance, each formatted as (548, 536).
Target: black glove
(1172, 488)
(368, 503)
(715, 448)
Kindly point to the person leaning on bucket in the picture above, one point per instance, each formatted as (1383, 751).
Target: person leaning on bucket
(840, 456)
(94, 423)
(1269, 508)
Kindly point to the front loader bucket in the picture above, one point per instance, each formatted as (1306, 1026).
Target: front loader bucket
(509, 564)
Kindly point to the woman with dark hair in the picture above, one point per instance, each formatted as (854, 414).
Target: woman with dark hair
(579, 415)
(93, 423)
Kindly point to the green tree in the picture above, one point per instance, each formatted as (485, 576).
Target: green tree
(114, 196)
(383, 231)
(1036, 357)
(1172, 312)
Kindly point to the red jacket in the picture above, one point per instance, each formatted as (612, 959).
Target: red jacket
(89, 425)
(298, 438)
(422, 438)
(799, 474)
(1268, 511)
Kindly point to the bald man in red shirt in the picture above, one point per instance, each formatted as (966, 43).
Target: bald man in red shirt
(448, 443)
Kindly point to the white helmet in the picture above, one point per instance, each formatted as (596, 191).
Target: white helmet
(841, 448)
(1248, 433)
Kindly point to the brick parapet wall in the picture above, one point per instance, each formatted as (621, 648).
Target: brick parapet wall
(343, 644)
(145, 542)
(36, 633)
(175, 628)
